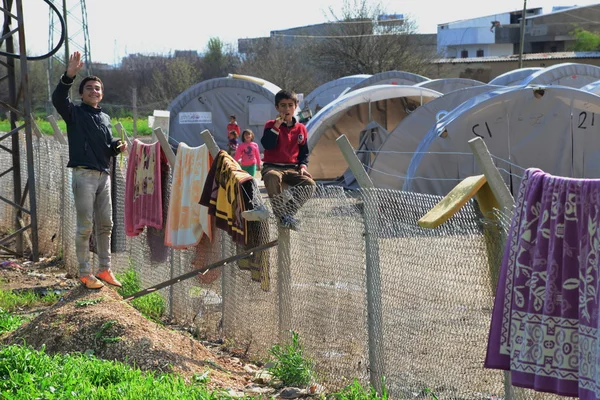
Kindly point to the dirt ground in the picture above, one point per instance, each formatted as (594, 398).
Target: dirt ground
(99, 322)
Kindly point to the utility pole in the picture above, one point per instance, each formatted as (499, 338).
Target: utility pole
(522, 44)
(65, 12)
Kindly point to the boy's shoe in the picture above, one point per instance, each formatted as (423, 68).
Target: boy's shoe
(90, 282)
(107, 276)
(289, 222)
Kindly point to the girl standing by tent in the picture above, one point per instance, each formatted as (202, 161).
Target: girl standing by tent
(248, 152)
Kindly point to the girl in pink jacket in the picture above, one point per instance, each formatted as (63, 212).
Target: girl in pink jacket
(248, 152)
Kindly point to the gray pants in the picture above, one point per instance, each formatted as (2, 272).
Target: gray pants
(91, 190)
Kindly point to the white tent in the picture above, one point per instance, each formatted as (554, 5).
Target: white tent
(514, 77)
(394, 156)
(349, 114)
(593, 87)
(552, 128)
(330, 91)
(389, 78)
(568, 74)
(449, 84)
(208, 105)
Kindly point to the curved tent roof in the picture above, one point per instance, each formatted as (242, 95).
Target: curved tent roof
(391, 163)
(349, 114)
(522, 126)
(389, 78)
(330, 91)
(568, 74)
(208, 105)
(593, 87)
(514, 77)
(449, 84)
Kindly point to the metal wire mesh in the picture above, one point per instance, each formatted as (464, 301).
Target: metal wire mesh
(430, 291)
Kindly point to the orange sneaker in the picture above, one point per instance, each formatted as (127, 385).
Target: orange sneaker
(107, 276)
(90, 282)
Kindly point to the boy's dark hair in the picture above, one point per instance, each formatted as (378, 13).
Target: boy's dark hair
(250, 132)
(234, 133)
(284, 95)
(233, 116)
(90, 78)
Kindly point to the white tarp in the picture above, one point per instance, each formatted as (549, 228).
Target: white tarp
(393, 158)
(208, 105)
(593, 87)
(349, 114)
(567, 74)
(553, 128)
(449, 84)
(389, 78)
(330, 91)
(514, 77)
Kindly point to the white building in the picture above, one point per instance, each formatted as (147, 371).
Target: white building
(476, 37)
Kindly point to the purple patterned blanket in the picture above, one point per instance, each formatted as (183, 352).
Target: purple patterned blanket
(545, 321)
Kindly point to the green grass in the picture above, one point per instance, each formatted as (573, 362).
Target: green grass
(355, 391)
(10, 300)
(290, 364)
(46, 128)
(30, 374)
(9, 322)
(152, 306)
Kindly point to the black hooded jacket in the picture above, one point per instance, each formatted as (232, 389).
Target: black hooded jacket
(91, 144)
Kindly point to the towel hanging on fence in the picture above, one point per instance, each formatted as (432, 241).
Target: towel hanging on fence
(155, 238)
(228, 192)
(187, 220)
(222, 194)
(143, 200)
(545, 321)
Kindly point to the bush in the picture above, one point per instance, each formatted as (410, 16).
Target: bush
(290, 364)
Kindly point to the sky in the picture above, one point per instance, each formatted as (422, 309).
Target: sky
(121, 27)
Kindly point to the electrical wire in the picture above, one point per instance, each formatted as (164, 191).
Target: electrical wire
(7, 18)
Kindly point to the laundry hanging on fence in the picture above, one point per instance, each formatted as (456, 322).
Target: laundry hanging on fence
(228, 192)
(545, 321)
(187, 220)
(155, 238)
(143, 200)
(222, 194)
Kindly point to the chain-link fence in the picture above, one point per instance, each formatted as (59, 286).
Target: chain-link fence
(369, 291)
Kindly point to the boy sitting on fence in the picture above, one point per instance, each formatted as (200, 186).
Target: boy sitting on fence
(286, 160)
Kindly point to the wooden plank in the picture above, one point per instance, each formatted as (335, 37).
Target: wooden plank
(164, 143)
(58, 135)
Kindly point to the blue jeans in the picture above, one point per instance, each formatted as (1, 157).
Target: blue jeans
(91, 190)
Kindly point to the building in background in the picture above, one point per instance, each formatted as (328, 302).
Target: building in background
(552, 32)
(297, 35)
(476, 37)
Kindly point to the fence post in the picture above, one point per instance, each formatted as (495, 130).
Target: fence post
(164, 143)
(507, 203)
(374, 307)
(36, 129)
(135, 113)
(58, 135)
(213, 149)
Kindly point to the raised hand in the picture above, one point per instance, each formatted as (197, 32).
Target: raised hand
(75, 64)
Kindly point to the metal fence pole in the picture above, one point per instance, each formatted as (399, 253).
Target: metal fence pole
(373, 272)
(506, 201)
(284, 283)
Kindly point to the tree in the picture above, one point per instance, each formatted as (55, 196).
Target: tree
(280, 64)
(585, 40)
(218, 61)
(359, 41)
